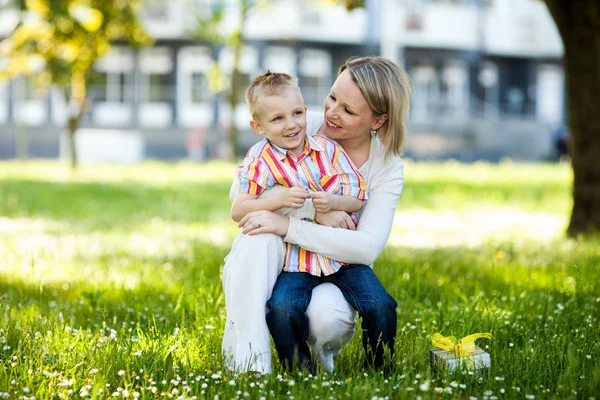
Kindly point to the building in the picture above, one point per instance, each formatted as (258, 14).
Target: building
(487, 75)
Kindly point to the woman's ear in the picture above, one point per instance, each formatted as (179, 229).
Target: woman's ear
(256, 127)
(379, 121)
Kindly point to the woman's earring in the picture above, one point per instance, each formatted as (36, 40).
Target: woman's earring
(373, 131)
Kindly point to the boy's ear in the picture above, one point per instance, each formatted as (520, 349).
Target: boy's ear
(256, 127)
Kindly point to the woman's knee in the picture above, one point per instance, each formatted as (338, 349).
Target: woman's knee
(330, 316)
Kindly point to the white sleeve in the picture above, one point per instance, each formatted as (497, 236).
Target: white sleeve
(365, 244)
(314, 120)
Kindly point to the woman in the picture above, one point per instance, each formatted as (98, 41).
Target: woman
(366, 91)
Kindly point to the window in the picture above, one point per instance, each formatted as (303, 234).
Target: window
(159, 88)
(200, 90)
(111, 87)
(314, 89)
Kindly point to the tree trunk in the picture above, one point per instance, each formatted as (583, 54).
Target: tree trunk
(232, 136)
(237, 44)
(76, 105)
(73, 125)
(579, 26)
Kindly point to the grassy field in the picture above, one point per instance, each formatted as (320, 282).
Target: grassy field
(110, 285)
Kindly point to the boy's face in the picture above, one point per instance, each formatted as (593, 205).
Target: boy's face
(282, 119)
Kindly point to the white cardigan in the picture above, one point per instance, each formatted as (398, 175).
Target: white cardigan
(384, 178)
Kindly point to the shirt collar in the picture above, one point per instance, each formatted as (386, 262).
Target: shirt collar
(310, 144)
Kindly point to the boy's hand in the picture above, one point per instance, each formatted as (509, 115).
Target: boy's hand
(323, 201)
(294, 197)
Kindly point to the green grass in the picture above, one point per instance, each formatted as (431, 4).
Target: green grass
(110, 284)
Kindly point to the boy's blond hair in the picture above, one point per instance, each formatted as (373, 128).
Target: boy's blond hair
(268, 84)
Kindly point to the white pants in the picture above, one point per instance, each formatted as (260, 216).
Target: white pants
(250, 272)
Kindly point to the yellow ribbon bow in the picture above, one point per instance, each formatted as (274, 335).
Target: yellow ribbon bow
(463, 348)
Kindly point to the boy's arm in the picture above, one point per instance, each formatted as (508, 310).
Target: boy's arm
(324, 202)
(244, 203)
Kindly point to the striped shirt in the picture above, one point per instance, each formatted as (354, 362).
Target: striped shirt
(323, 166)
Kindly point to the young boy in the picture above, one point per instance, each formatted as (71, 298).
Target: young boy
(307, 166)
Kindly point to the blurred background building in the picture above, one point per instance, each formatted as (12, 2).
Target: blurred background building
(487, 75)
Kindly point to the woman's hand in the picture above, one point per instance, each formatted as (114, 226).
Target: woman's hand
(335, 219)
(258, 222)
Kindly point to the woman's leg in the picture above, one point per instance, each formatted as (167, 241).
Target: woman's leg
(286, 317)
(249, 274)
(366, 294)
(331, 322)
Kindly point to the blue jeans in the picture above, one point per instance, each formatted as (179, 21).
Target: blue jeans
(360, 286)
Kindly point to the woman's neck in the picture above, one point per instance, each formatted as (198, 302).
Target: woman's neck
(358, 149)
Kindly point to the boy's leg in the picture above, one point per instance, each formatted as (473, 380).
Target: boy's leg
(366, 294)
(249, 274)
(287, 320)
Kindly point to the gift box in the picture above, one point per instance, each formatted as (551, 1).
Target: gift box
(450, 353)
(447, 360)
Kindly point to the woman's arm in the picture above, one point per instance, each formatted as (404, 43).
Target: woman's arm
(365, 244)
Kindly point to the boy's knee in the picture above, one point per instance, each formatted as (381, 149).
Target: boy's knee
(383, 305)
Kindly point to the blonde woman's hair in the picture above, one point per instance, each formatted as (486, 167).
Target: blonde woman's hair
(387, 89)
(268, 84)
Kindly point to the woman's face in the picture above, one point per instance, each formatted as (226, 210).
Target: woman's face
(347, 113)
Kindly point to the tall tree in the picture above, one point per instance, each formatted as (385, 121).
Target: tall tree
(210, 28)
(579, 25)
(58, 41)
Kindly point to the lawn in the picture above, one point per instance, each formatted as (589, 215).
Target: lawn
(110, 285)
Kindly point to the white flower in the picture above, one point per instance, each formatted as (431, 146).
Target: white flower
(424, 386)
(137, 353)
(511, 345)
(94, 371)
(121, 373)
